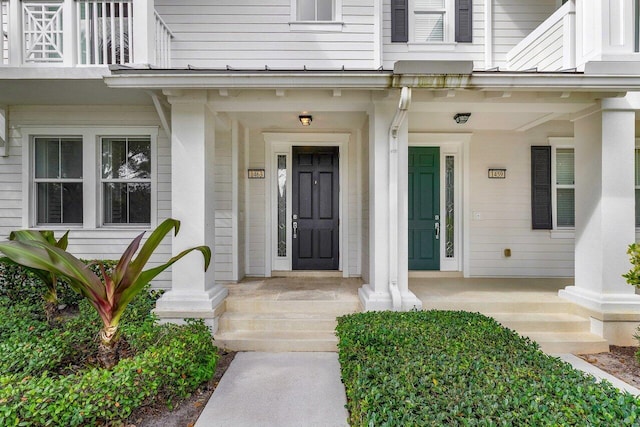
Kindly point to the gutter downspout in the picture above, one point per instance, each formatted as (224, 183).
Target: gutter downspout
(396, 123)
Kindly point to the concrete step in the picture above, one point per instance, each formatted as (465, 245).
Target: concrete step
(328, 307)
(568, 342)
(542, 322)
(277, 341)
(500, 306)
(319, 322)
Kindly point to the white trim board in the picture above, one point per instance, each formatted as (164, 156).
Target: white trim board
(282, 143)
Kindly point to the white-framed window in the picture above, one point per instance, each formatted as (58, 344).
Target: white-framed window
(126, 180)
(57, 180)
(563, 184)
(432, 21)
(317, 15)
(90, 177)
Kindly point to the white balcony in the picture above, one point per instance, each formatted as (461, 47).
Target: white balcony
(83, 33)
(551, 46)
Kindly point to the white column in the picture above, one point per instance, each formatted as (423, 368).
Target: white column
(194, 292)
(376, 295)
(69, 25)
(144, 30)
(605, 209)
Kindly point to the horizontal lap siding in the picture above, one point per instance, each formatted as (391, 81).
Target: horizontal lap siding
(545, 52)
(256, 208)
(462, 51)
(505, 209)
(223, 257)
(252, 34)
(97, 243)
(513, 21)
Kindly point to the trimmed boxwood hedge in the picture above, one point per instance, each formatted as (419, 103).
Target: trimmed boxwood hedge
(43, 377)
(459, 368)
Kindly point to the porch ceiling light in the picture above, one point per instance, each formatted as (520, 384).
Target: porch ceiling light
(461, 118)
(305, 119)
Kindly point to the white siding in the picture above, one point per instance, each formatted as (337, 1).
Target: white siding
(545, 52)
(252, 34)
(504, 206)
(256, 208)
(242, 210)
(461, 51)
(513, 20)
(86, 243)
(224, 246)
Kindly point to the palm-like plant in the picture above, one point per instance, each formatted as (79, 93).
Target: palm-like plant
(111, 293)
(49, 279)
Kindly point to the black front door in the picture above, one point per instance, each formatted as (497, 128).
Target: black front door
(315, 208)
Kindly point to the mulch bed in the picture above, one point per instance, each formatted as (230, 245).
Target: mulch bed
(186, 413)
(620, 362)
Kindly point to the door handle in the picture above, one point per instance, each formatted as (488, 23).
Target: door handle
(295, 229)
(437, 226)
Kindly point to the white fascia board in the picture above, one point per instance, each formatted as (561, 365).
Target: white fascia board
(306, 80)
(547, 82)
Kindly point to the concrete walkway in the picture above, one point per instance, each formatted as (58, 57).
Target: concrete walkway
(278, 389)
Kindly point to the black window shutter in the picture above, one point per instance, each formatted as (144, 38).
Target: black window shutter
(464, 21)
(399, 21)
(541, 188)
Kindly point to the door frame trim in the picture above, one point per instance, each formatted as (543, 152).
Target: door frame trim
(282, 143)
(455, 144)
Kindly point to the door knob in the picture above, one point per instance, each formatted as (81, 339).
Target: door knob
(437, 226)
(295, 229)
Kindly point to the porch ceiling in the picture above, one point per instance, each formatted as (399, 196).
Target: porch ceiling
(288, 121)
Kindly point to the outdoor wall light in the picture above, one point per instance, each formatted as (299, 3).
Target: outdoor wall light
(305, 119)
(461, 118)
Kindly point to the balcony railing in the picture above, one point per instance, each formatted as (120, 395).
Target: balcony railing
(551, 46)
(83, 32)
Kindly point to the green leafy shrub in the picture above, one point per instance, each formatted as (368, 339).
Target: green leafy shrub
(458, 368)
(171, 369)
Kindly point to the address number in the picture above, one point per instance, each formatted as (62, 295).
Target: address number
(497, 173)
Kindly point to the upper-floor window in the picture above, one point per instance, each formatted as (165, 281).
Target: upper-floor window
(431, 21)
(315, 10)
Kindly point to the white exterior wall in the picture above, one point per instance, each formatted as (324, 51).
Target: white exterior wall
(256, 208)
(364, 206)
(252, 34)
(223, 255)
(86, 243)
(504, 208)
(513, 21)
(242, 210)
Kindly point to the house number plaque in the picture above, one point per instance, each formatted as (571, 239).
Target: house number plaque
(256, 173)
(497, 173)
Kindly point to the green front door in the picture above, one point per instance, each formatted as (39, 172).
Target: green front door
(424, 208)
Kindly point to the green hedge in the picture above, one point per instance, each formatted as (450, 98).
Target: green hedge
(459, 368)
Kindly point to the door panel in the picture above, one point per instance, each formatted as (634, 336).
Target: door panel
(424, 208)
(315, 208)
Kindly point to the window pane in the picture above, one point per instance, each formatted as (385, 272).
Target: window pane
(429, 4)
(565, 166)
(59, 203)
(307, 10)
(71, 164)
(127, 203)
(47, 157)
(566, 209)
(637, 166)
(282, 205)
(114, 158)
(325, 10)
(449, 175)
(115, 203)
(49, 201)
(72, 203)
(139, 159)
(139, 203)
(430, 27)
(637, 207)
